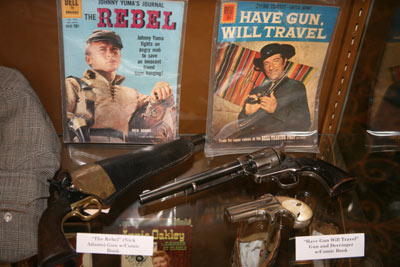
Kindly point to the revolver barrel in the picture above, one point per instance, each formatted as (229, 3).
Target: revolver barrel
(194, 183)
(251, 209)
(246, 165)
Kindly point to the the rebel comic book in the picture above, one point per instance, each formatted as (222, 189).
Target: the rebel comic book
(266, 72)
(383, 132)
(172, 242)
(121, 69)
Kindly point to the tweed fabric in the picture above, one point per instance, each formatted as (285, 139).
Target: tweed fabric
(29, 155)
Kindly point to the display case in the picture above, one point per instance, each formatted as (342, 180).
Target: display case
(212, 237)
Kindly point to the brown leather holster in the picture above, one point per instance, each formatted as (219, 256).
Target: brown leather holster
(256, 244)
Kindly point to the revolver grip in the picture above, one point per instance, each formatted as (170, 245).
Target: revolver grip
(333, 179)
(53, 246)
(301, 213)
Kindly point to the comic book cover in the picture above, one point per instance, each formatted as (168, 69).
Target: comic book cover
(266, 74)
(120, 69)
(383, 133)
(172, 242)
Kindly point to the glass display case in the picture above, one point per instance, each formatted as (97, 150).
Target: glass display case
(210, 236)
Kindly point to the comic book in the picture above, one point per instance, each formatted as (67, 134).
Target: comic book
(266, 73)
(383, 133)
(121, 69)
(172, 242)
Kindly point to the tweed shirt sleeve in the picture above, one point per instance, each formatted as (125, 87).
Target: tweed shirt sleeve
(29, 155)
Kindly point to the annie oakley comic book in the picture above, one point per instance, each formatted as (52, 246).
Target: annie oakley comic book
(266, 73)
(172, 242)
(121, 64)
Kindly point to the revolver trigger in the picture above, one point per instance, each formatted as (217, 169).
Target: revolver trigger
(262, 176)
(78, 208)
(194, 187)
(259, 178)
(291, 178)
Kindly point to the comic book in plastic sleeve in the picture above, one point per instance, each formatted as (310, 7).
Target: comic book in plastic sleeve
(120, 67)
(383, 132)
(172, 242)
(266, 73)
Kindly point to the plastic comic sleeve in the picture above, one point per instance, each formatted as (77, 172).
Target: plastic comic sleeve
(121, 69)
(383, 134)
(268, 66)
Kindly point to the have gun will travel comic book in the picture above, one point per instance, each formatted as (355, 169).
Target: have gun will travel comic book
(266, 73)
(120, 69)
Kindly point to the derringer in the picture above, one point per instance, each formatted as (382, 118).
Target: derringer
(98, 185)
(268, 207)
(263, 166)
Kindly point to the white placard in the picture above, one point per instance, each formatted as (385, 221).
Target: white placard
(330, 246)
(114, 244)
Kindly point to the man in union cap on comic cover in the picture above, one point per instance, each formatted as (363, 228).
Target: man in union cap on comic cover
(105, 36)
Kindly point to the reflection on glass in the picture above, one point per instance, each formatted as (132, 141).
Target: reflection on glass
(384, 120)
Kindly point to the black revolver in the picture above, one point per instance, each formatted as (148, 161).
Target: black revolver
(263, 166)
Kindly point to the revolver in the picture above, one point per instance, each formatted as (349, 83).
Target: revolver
(265, 165)
(99, 185)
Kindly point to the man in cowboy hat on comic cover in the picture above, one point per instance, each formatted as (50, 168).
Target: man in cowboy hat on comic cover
(279, 104)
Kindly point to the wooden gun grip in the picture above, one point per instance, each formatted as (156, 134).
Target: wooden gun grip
(53, 246)
(335, 180)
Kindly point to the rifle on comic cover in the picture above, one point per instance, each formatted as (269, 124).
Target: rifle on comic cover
(98, 185)
(265, 165)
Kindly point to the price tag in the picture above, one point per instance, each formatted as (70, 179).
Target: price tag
(114, 244)
(330, 246)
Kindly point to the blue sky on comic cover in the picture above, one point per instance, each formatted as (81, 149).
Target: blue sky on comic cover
(74, 41)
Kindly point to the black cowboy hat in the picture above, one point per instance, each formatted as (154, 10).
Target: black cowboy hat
(287, 51)
(105, 36)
